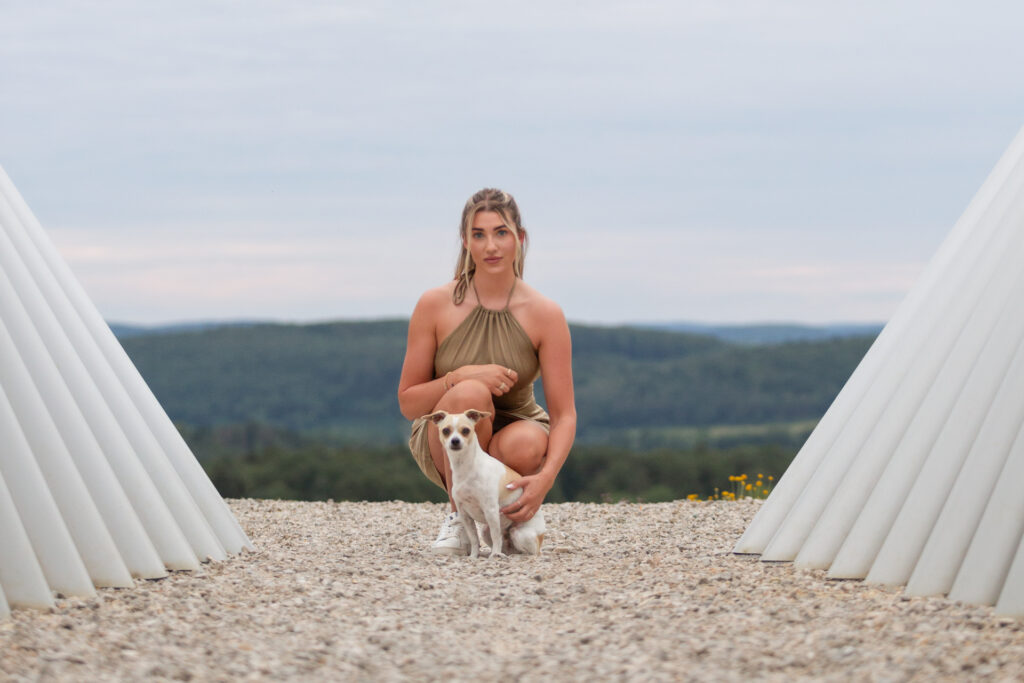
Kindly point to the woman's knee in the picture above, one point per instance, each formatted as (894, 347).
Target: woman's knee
(466, 395)
(522, 448)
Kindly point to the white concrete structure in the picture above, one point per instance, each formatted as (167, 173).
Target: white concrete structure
(96, 485)
(910, 476)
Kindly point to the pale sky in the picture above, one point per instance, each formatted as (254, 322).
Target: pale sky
(703, 161)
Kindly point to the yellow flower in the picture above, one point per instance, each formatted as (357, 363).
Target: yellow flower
(750, 486)
(692, 496)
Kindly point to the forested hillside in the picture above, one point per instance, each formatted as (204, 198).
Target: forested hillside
(340, 379)
(309, 411)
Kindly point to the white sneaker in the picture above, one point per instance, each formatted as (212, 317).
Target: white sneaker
(451, 540)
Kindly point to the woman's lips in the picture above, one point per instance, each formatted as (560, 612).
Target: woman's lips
(493, 259)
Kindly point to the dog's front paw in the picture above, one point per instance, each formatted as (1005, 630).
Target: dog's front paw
(495, 554)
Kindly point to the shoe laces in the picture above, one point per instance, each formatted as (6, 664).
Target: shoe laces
(451, 525)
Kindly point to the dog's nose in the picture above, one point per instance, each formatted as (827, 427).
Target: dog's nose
(456, 444)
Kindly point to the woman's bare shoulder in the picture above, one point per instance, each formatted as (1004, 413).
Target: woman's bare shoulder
(435, 298)
(540, 308)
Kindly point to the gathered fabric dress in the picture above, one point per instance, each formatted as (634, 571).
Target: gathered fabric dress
(486, 336)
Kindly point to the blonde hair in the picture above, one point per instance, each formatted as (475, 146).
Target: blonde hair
(503, 204)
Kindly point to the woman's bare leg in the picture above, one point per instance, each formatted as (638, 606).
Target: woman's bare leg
(521, 445)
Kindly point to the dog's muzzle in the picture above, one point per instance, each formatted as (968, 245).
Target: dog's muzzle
(455, 444)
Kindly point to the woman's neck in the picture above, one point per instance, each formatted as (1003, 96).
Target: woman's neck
(492, 291)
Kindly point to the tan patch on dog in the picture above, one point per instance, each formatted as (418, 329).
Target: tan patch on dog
(540, 540)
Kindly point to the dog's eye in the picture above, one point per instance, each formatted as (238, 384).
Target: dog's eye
(446, 431)
(465, 431)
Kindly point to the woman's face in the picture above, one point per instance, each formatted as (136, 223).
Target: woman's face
(491, 243)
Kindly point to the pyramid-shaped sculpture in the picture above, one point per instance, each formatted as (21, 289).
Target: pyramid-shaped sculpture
(914, 474)
(96, 484)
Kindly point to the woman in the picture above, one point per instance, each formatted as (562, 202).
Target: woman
(480, 342)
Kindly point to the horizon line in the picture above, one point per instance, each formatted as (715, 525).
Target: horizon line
(211, 322)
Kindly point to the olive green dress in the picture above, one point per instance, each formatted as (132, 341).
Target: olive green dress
(486, 336)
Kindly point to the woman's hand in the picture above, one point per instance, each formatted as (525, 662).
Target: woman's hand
(534, 487)
(497, 378)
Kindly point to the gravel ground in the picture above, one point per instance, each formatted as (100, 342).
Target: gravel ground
(348, 591)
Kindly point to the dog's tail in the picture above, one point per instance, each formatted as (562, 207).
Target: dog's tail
(527, 538)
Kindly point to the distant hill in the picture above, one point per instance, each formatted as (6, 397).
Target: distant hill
(340, 379)
(756, 334)
(770, 333)
(124, 331)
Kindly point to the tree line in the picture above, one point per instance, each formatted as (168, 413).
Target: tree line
(256, 461)
(340, 379)
(309, 411)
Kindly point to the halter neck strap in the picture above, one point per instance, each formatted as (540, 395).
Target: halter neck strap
(507, 301)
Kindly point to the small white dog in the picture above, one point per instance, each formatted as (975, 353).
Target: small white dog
(478, 488)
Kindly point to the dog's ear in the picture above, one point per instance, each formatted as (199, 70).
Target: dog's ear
(438, 417)
(476, 415)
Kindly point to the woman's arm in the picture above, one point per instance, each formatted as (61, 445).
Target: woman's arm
(418, 391)
(555, 353)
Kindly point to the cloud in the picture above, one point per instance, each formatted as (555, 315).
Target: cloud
(162, 278)
(723, 128)
(601, 276)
